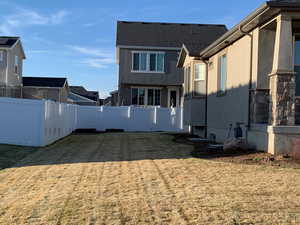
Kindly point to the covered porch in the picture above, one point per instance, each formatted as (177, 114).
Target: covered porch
(275, 100)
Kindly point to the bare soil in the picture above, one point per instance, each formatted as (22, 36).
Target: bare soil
(249, 157)
(143, 178)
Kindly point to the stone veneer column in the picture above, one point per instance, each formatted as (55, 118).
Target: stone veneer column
(282, 78)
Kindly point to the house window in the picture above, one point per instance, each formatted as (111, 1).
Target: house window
(1, 56)
(16, 64)
(148, 62)
(141, 96)
(200, 72)
(134, 96)
(145, 96)
(222, 73)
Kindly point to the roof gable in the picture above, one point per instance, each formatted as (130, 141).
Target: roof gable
(8, 42)
(11, 42)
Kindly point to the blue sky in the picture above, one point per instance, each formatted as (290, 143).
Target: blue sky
(76, 39)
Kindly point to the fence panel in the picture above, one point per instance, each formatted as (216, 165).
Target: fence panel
(41, 122)
(21, 121)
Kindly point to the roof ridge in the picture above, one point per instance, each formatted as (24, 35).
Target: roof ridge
(170, 23)
(45, 77)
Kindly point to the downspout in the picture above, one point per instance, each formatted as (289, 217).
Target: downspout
(250, 79)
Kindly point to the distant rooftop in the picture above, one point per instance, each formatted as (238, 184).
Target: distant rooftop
(44, 81)
(79, 90)
(167, 34)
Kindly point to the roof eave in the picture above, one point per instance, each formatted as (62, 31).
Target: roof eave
(211, 49)
(182, 55)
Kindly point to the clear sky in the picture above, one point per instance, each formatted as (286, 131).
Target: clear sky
(76, 39)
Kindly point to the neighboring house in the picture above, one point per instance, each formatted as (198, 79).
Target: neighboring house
(11, 66)
(107, 101)
(253, 77)
(147, 55)
(81, 96)
(114, 98)
(50, 88)
(80, 100)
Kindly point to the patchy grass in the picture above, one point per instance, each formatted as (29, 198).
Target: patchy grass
(136, 178)
(10, 154)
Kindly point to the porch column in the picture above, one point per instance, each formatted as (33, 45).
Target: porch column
(282, 78)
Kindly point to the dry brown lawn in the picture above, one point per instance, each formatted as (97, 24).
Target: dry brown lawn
(137, 178)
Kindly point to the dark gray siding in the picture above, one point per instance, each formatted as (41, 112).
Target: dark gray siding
(172, 75)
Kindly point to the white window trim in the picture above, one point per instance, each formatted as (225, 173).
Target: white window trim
(220, 73)
(146, 95)
(195, 93)
(147, 62)
(199, 79)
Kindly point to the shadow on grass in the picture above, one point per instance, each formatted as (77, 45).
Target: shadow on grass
(97, 147)
(10, 154)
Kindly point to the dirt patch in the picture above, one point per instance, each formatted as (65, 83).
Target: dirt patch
(249, 157)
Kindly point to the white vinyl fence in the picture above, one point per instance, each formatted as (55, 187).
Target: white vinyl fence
(41, 122)
(35, 122)
(130, 118)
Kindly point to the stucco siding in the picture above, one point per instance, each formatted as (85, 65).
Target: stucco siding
(232, 106)
(194, 112)
(265, 62)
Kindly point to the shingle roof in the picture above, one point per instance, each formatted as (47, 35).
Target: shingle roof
(7, 42)
(44, 81)
(79, 90)
(167, 34)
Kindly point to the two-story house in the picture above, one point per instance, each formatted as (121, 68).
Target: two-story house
(147, 56)
(11, 65)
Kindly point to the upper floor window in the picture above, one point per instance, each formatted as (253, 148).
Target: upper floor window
(148, 62)
(16, 64)
(222, 73)
(200, 73)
